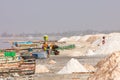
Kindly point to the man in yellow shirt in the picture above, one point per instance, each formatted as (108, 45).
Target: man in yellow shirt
(45, 47)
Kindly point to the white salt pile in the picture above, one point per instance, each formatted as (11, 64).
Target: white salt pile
(108, 69)
(111, 45)
(93, 38)
(64, 39)
(90, 53)
(97, 42)
(114, 34)
(84, 38)
(41, 69)
(74, 38)
(91, 45)
(72, 66)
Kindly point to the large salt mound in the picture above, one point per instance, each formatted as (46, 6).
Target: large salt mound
(99, 39)
(97, 42)
(75, 53)
(114, 34)
(74, 38)
(84, 38)
(112, 44)
(108, 69)
(64, 39)
(72, 66)
(90, 53)
(93, 38)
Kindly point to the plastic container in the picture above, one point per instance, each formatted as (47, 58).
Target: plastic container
(10, 54)
(42, 54)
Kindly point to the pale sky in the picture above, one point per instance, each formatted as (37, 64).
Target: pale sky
(30, 16)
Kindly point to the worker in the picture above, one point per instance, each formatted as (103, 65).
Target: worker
(45, 38)
(45, 47)
(103, 40)
(51, 47)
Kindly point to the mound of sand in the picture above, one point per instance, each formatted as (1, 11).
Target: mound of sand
(72, 66)
(41, 69)
(91, 39)
(89, 67)
(108, 69)
(52, 62)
